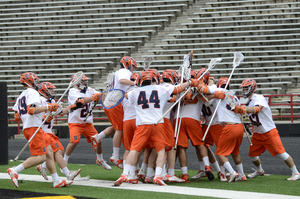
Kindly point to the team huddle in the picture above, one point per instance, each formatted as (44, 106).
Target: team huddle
(149, 128)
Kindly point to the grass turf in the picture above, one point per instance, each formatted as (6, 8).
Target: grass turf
(276, 184)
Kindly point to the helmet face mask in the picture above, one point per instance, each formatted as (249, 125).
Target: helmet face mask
(30, 79)
(46, 89)
(129, 63)
(83, 85)
(222, 83)
(249, 87)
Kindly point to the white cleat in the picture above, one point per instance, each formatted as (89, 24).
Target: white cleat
(13, 176)
(103, 164)
(256, 173)
(241, 178)
(294, 177)
(233, 176)
(132, 179)
(61, 183)
(117, 161)
(73, 174)
(174, 178)
(43, 171)
(223, 177)
(200, 174)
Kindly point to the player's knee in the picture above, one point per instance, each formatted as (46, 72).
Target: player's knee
(284, 156)
(254, 159)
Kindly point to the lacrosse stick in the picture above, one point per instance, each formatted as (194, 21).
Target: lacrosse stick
(112, 98)
(146, 62)
(238, 58)
(185, 71)
(75, 80)
(179, 99)
(90, 112)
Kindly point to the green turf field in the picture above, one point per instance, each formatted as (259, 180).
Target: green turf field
(275, 184)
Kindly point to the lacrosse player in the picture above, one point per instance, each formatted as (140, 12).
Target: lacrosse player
(28, 108)
(265, 135)
(149, 101)
(80, 102)
(46, 90)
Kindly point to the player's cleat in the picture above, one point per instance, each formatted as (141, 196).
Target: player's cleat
(200, 174)
(174, 178)
(233, 176)
(256, 173)
(141, 176)
(294, 177)
(103, 164)
(94, 143)
(13, 176)
(122, 178)
(241, 178)
(61, 183)
(158, 180)
(223, 178)
(209, 173)
(148, 179)
(117, 161)
(133, 179)
(165, 177)
(43, 171)
(185, 177)
(73, 174)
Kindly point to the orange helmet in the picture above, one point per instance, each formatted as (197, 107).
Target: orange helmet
(134, 76)
(129, 63)
(206, 75)
(155, 75)
(29, 79)
(249, 86)
(193, 73)
(144, 76)
(169, 75)
(44, 90)
(222, 82)
(83, 85)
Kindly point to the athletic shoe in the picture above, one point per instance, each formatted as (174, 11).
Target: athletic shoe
(141, 176)
(117, 161)
(133, 179)
(148, 179)
(233, 177)
(174, 178)
(13, 176)
(185, 177)
(94, 142)
(209, 173)
(241, 178)
(200, 174)
(165, 177)
(294, 177)
(223, 178)
(256, 173)
(158, 180)
(43, 171)
(61, 183)
(103, 164)
(122, 178)
(73, 174)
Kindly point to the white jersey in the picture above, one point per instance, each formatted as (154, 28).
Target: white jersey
(191, 111)
(128, 108)
(149, 102)
(28, 96)
(121, 74)
(47, 128)
(168, 105)
(224, 112)
(262, 121)
(78, 115)
(208, 111)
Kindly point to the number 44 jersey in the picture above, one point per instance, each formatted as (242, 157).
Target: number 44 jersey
(149, 102)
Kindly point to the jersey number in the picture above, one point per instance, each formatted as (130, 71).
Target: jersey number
(22, 106)
(85, 110)
(254, 119)
(142, 99)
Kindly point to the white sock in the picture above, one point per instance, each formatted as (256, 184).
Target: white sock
(229, 168)
(150, 172)
(100, 136)
(158, 171)
(100, 156)
(66, 171)
(54, 177)
(132, 170)
(44, 165)
(240, 169)
(126, 169)
(144, 167)
(116, 152)
(19, 168)
(205, 160)
(66, 158)
(294, 170)
(184, 170)
(124, 162)
(171, 172)
(202, 166)
(222, 168)
(164, 171)
(259, 168)
(216, 166)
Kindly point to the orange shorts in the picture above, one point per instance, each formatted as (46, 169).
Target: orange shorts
(189, 129)
(76, 130)
(270, 141)
(149, 134)
(129, 127)
(54, 142)
(213, 134)
(169, 134)
(38, 145)
(115, 116)
(230, 140)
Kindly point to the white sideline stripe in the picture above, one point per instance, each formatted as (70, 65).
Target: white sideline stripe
(163, 189)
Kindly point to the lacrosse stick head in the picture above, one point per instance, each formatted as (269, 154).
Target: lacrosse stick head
(223, 82)
(29, 79)
(79, 80)
(129, 63)
(249, 86)
(214, 62)
(111, 98)
(46, 89)
(203, 74)
(147, 62)
(238, 58)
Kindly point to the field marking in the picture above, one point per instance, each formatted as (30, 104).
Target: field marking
(218, 193)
